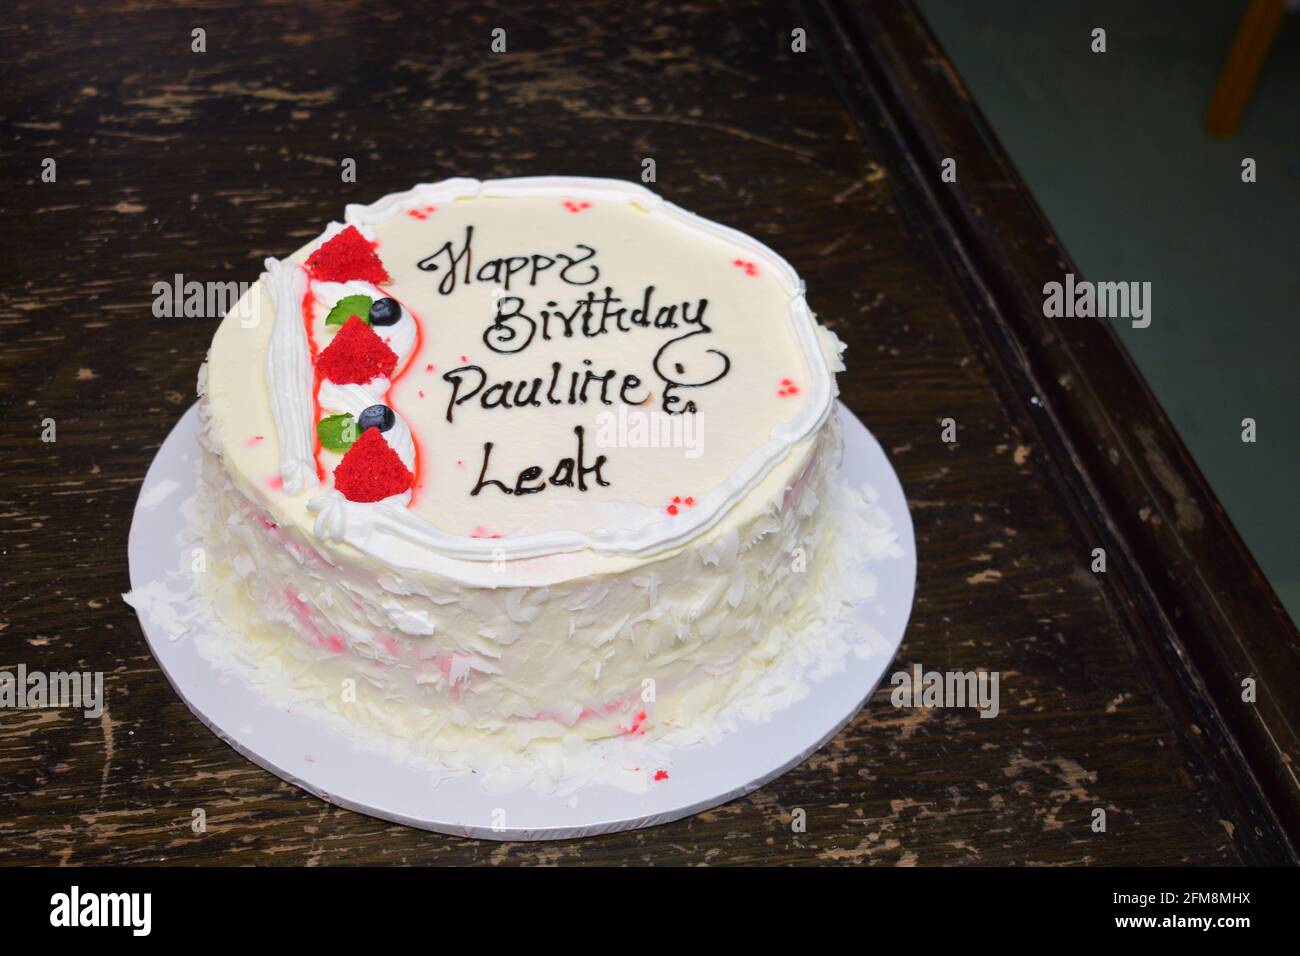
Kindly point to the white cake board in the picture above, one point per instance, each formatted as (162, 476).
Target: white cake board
(305, 750)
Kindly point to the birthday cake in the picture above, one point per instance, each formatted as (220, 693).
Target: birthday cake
(521, 460)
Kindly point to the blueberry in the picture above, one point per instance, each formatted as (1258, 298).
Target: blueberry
(385, 312)
(376, 416)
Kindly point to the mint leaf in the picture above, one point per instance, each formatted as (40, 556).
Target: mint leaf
(338, 432)
(350, 305)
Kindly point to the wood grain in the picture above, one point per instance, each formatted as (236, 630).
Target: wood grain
(173, 161)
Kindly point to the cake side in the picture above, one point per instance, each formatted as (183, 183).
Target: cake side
(623, 652)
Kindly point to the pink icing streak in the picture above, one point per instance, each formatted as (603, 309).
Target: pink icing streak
(445, 663)
(331, 642)
(605, 710)
(636, 729)
(283, 540)
(307, 308)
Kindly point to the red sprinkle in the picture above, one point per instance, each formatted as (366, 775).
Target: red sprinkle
(661, 774)
(371, 470)
(349, 255)
(636, 724)
(356, 355)
(672, 509)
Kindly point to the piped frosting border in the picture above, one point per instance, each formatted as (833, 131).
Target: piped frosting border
(289, 377)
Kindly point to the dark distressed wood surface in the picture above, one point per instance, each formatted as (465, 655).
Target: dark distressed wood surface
(172, 161)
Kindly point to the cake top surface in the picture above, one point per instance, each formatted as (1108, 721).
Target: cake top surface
(555, 364)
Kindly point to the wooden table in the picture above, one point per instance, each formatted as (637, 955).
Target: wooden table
(1119, 691)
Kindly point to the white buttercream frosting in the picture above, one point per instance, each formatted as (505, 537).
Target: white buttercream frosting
(305, 678)
(640, 528)
(289, 375)
(630, 607)
(462, 673)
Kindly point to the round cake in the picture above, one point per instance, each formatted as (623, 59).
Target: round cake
(495, 463)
